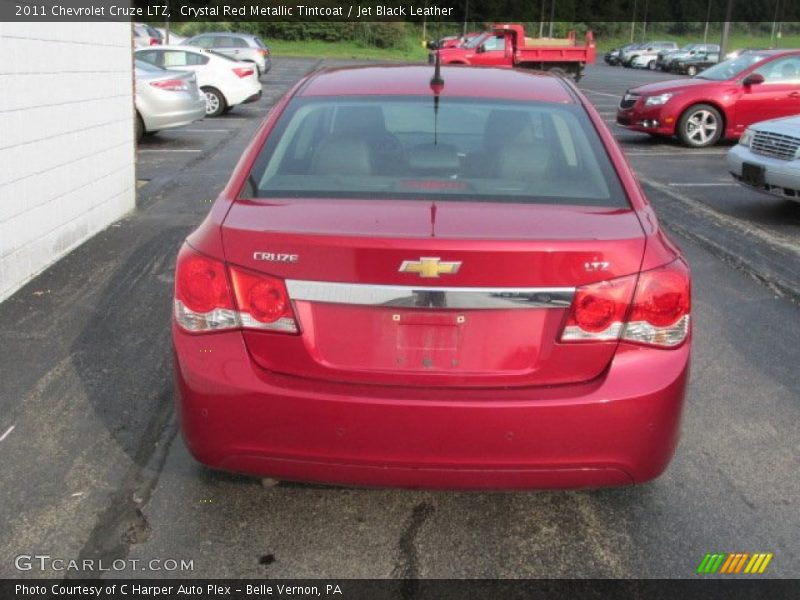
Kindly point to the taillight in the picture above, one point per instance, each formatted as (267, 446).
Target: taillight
(263, 301)
(243, 71)
(264, 52)
(153, 41)
(598, 310)
(661, 307)
(205, 300)
(653, 310)
(171, 85)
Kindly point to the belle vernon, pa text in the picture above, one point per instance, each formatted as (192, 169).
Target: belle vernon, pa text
(61, 589)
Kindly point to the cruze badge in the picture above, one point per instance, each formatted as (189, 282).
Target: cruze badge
(276, 257)
(428, 266)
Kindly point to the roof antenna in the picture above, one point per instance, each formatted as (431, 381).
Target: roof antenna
(437, 85)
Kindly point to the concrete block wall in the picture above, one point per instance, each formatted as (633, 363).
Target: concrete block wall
(67, 153)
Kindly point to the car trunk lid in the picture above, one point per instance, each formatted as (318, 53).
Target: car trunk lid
(431, 294)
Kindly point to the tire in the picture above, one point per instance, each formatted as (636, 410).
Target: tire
(138, 128)
(700, 126)
(691, 70)
(215, 102)
(651, 65)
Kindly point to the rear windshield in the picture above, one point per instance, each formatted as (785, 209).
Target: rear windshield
(460, 149)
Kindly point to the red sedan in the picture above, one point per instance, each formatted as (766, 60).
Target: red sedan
(720, 102)
(447, 282)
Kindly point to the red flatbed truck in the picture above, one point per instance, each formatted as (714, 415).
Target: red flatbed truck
(507, 46)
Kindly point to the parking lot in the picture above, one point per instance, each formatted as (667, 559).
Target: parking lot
(102, 473)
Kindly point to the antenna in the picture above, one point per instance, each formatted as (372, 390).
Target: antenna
(437, 85)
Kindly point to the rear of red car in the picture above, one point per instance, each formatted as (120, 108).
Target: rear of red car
(432, 289)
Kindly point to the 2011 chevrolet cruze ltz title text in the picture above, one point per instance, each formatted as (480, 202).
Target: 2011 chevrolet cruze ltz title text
(437, 278)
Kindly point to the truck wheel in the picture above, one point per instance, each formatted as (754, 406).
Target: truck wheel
(691, 70)
(651, 65)
(700, 126)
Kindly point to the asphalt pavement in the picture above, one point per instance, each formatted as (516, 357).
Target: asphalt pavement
(94, 469)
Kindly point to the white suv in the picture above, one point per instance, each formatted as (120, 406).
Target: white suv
(239, 46)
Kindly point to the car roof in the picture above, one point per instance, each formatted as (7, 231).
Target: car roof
(461, 81)
(227, 33)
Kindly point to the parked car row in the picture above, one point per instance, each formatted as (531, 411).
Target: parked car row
(212, 71)
(642, 55)
(754, 97)
(720, 103)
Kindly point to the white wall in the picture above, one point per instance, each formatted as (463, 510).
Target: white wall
(66, 140)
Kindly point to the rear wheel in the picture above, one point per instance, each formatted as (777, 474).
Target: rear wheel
(215, 102)
(651, 65)
(138, 128)
(700, 126)
(691, 71)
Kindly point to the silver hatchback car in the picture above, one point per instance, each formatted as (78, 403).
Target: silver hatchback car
(165, 99)
(239, 46)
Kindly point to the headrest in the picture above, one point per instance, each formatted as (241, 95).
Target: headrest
(352, 120)
(342, 156)
(523, 162)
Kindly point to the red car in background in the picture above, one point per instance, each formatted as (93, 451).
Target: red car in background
(443, 282)
(720, 102)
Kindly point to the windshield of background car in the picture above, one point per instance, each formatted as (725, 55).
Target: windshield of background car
(405, 147)
(731, 68)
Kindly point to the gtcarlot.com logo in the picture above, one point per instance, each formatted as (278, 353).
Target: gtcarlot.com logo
(733, 563)
(45, 562)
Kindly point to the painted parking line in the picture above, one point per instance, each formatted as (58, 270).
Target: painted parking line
(672, 153)
(7, 433)
(202, 130)
(710, 184)
(602, 93)
(149, 151)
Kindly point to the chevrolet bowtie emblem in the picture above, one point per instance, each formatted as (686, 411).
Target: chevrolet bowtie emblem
(429, 266)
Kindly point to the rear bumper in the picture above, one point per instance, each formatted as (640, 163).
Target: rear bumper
(179, 112)
(620, 429)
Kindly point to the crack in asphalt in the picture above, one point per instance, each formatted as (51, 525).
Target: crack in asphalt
(407, 567)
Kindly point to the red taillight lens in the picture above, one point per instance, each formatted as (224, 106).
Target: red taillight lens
(171, 85)
(205, 301)
(264, 52)
(243, 71)
(661, 307)
(653, 310)
(598, 310)
(263, 301)
(203, 298)
(153, 41)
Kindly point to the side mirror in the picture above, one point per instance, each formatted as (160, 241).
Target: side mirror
(480, 49)
(432, 45)
(753, 79)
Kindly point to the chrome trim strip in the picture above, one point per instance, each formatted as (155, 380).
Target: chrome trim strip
(472, 298)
